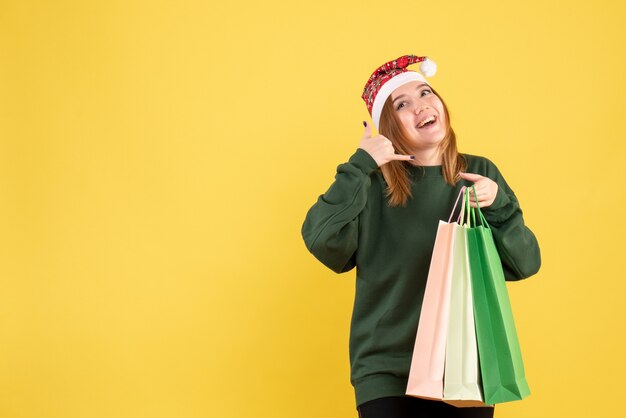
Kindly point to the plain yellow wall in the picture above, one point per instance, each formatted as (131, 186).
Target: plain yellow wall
(157, 159)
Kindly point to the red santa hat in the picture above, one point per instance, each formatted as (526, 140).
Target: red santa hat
(389, 77)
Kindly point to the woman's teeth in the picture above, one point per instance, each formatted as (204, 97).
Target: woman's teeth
(429, 121)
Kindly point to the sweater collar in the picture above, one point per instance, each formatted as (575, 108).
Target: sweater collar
(426, 171)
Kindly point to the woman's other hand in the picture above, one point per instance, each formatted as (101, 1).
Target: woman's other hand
(380, 148)
(486, 189)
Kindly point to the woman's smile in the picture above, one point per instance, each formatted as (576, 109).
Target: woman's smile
(428, 122)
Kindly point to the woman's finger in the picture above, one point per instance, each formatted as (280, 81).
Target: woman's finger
(402, 157)
(483, 191)
(471, 176)
(479, 198)
(480, 194)
(368, 130)
(480, 187)
(484, 202)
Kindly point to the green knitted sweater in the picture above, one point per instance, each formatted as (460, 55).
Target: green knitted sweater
(351, 225)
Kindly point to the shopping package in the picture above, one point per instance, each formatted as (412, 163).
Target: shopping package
(429, 354)
(462, 374)
(502, 369)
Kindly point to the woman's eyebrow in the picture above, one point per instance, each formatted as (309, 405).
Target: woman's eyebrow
(417, 88)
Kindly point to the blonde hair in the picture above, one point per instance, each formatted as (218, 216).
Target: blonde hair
(396, 172)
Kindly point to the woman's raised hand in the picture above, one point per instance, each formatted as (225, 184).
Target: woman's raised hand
(486, 189)
(380, 148)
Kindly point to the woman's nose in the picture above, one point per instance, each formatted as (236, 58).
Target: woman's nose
(419, 107)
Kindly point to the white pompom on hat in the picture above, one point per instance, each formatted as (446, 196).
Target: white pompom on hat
(391, 75)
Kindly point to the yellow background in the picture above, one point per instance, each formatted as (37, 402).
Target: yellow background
(157, 159)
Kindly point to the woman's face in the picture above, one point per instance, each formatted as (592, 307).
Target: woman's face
(421, 113)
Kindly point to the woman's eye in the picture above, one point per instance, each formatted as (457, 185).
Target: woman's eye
(400, 106)
(425, 90)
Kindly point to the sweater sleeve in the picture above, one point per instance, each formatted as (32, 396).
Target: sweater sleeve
(330, 229)
(516, 243)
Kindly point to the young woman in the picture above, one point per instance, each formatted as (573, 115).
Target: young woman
(380, 215)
